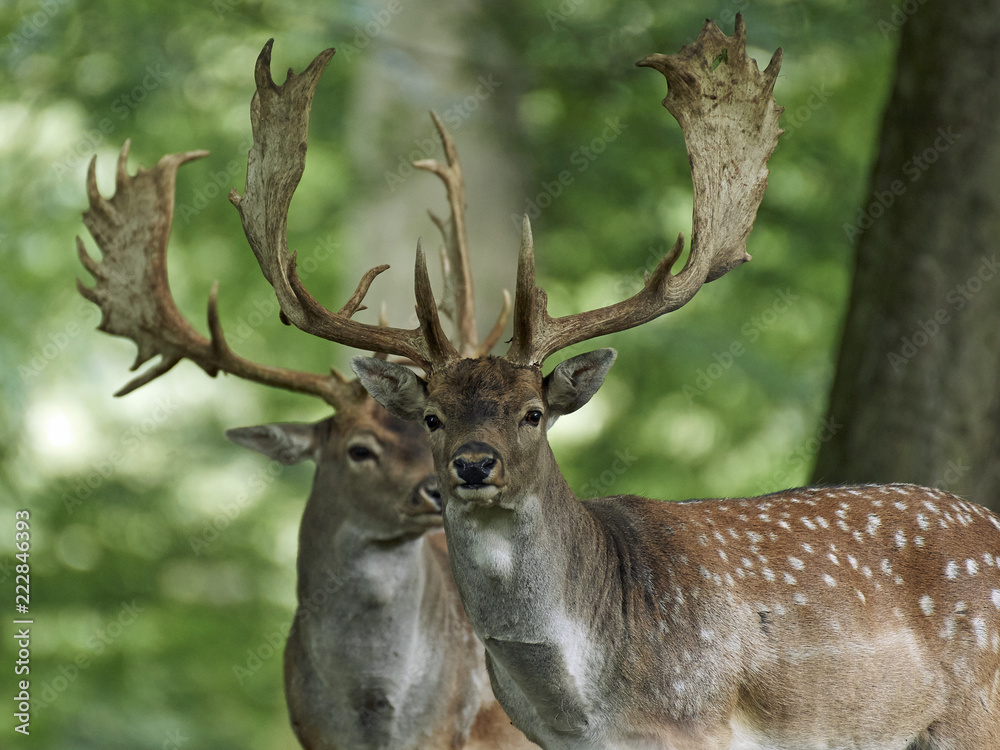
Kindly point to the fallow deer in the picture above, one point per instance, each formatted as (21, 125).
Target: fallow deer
(380, 654)
(827, 617)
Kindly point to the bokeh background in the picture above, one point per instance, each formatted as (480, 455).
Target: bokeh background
(162, 556)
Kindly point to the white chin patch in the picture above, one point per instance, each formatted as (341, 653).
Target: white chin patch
(483, 493)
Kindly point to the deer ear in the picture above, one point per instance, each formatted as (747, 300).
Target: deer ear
(287, 442)
(573, 382)
(397, 388)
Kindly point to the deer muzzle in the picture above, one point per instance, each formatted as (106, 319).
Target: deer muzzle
(477, 471)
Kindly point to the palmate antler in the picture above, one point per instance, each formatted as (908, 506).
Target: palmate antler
(133, 293)
(726, 108)
(279, 116)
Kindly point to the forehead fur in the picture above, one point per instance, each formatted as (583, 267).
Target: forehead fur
(484, 388)
(367, 412)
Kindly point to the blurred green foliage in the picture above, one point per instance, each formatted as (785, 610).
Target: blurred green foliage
(162, 556)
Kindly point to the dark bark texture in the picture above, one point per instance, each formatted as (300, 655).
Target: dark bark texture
(916, 395)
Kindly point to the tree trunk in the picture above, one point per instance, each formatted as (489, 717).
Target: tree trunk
(916, 396)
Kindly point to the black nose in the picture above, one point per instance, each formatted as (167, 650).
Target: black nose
(428, 490)
(474, 472)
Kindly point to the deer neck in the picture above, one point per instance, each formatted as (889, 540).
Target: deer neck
(526, 556)
(354, 567)
(544, 583)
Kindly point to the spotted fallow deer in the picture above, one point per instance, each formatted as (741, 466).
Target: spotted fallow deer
(828, 617)
(380, 654)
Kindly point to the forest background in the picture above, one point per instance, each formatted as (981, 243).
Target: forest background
(162, 556)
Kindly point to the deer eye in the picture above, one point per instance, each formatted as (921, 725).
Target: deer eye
(360, 453)
(432, 422)
(533, 417)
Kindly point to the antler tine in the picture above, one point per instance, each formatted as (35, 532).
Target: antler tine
(279, 117)
(458, 299)
(132, 290)
(726, 109)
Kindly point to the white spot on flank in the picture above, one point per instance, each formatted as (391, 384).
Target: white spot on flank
(922, 522)
(887, 567)
(873, 523)
(900, 506)
(853, 561)
(796, 563)
(829, 580)
(833, 559)
(843, 526)
(866, 571)
(857, 536)
(860, 595)
(931, 507)
(995, 598)
(822, 522)
(951, 570)
(900, 539)
(807, 547)
(979, 628)
(919, 541)
(972, 567)
(948, 629)
(800, 599)
(784, 525)
(808, 524)
(926, 605)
